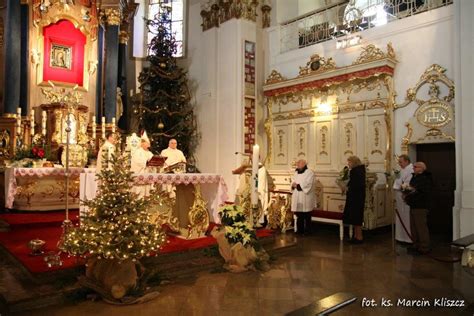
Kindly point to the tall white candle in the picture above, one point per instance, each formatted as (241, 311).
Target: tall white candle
(113, 124)
(32, 121)
(18, 120)
(103, 127)
(254, 185)
(43, 123)
(94, 127)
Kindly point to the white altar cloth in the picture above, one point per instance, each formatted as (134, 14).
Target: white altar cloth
(11, 175)
(213, 187)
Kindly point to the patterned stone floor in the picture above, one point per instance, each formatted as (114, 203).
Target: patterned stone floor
(320, 266)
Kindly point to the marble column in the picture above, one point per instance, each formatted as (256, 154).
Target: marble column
(111, 63)
(122, 77)
(99, 106)
(463, 211)
(12, 44)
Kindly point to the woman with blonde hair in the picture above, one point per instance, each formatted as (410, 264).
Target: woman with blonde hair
(355, 198)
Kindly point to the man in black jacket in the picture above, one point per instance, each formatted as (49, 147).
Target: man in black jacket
(419, 199)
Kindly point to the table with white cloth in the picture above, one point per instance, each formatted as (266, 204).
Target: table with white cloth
(41, 189)
(211, 186)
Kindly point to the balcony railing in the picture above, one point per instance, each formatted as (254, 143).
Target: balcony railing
(349, 17)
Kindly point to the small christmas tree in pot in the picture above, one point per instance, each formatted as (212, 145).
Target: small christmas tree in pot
(114, 234)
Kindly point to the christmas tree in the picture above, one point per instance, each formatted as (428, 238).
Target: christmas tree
(117, 224)
(163, 105)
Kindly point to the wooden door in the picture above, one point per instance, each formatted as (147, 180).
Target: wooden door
(440, 160)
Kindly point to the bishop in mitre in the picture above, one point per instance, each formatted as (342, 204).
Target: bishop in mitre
(140, 158)
(173, 154)
(106, 151)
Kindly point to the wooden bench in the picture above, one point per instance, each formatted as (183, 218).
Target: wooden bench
(330, 218)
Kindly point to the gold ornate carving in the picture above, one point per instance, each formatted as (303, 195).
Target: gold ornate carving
(280, 134)
(92, 67)
(301, 133)
(406, 138)
(279, 212)
(265, 15)
(124, 37)
(222, 11)
(5, 144)
(113, 16)
(198, 215)
(62, 95)
(162, 211)
(274, 77)
(433, 75)
(348, 132)
(73, 189)
(268, 131)
(324, 132)
(26, 190)
(317, 64)
(372, 53)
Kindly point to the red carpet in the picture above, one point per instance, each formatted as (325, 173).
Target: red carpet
(47, 226)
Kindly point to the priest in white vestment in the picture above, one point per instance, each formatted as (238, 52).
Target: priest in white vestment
(173, 155)
(140, 158)
(402, 181)
(303, 198)
(105, 152)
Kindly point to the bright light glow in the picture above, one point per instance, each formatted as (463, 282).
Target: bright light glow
(380, 17)
(325, 108)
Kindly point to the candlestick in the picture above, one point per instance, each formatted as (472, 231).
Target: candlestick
(94, 127)
(18, 120)
(43, 123)
(254, 185)
(32, 122)
(113, 124)
(103, 127)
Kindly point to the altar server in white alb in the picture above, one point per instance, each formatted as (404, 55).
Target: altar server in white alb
(106, 151)
(140, 158)
(173, 155)
(303, 198)
(402, 181)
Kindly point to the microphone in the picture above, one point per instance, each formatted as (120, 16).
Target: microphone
(243, 154)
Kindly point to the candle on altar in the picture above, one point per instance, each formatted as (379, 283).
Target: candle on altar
(254, 186)
(43, 123)
(94, 127)
(103, 127)
(113, 124)
(18, 120)
(32, 121)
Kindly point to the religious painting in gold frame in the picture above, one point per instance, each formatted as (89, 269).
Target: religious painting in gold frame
(61, 56)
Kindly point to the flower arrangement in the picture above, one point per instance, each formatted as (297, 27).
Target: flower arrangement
(344, 174)
(34, 152)
(237, 229)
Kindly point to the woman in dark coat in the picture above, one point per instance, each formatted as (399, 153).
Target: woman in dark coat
(355, 198)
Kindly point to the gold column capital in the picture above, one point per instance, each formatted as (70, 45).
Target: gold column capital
(113, 16)
(124, 37)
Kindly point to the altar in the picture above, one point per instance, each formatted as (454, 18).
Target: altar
(185, 189)
(41, 189)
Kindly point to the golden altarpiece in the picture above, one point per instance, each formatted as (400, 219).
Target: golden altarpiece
(328, 113)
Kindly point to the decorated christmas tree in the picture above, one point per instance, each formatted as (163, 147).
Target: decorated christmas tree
(163, 105)
(117, 224)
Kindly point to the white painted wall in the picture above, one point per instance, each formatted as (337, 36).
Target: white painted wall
(215, 69)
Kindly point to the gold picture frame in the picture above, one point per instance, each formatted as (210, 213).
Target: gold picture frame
(61, 56)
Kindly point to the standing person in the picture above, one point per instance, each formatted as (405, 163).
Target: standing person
(173, 154)
(106, 151)
(138, 164)
(402, 231)
(419, 197)
(303, 198)
(355, 198)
